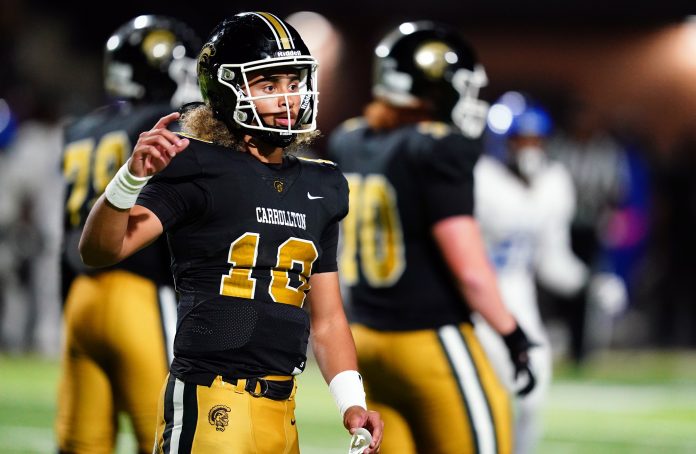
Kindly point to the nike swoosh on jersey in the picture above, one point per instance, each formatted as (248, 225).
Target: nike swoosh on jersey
(314, 197)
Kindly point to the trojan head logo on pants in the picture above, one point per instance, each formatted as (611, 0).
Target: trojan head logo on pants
(218, 416)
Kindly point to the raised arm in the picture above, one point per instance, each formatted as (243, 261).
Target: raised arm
(115, 228)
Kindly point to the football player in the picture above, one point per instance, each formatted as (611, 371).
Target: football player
(247, 226)
(525, 203)
(119, 321)
(412, 253)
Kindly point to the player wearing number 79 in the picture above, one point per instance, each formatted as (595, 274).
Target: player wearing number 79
(119, 321)
(247, 225)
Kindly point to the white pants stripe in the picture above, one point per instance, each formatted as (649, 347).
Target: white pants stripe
(470, 385)
(178, 401)
(167, 301)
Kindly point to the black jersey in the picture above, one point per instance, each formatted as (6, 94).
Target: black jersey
(245, 238)
(96, 146)
(402, 182)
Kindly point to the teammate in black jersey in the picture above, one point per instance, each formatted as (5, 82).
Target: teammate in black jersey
(119, 321)
(247, 226)
(413, 255)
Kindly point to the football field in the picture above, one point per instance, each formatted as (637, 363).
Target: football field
(621, 403)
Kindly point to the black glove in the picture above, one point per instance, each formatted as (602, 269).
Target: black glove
(518, 345)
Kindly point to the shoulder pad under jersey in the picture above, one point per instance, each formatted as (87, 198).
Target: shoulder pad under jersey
(185, 165)
(443, 142)
(191, 136)
(352, 124)
(435, 129)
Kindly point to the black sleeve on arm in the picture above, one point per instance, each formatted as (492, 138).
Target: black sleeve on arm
(329, 247)
(173, 203)
(446, 169)
(329, 237)
(176, 195)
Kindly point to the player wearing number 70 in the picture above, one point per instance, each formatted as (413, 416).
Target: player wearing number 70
(247, 225)
(412, 253)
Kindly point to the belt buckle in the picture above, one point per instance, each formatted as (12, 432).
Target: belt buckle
(251, 384)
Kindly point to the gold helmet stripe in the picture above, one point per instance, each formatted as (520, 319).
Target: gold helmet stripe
(279, 30)
(274, 30)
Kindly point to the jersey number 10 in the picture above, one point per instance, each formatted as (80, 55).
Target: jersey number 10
(293, 253)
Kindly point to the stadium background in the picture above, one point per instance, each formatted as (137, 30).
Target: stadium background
(632, 62)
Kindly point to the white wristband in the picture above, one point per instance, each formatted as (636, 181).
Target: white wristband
(347, 390)
(123, 189)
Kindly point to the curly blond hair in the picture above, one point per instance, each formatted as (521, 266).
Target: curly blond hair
(200, 123)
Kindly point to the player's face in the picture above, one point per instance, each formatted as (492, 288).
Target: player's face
(274, 109)
(527, 155)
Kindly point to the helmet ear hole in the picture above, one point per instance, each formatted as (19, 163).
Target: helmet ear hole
(240, 116)
(226, 74)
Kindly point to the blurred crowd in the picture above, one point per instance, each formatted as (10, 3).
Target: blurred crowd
(634, 218)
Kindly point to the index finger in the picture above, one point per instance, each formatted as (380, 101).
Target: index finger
(164, 121)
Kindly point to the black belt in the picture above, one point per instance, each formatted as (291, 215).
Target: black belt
(264, 387)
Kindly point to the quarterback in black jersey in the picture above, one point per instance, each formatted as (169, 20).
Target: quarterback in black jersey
(253, 233)
(412, 254)
(119, 321)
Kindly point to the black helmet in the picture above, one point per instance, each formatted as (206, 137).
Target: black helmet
(254, 41)
(426, 61)
(152, 59)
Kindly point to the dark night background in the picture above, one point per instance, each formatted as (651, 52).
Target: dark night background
(632, 63)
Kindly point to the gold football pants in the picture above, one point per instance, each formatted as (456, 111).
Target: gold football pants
(436, 391)
(224, 419)
(115, 358)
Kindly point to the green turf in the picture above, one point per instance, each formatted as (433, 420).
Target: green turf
(620, 403)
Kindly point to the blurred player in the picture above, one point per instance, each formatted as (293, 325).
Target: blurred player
(412, 253)
(524, 204)
(119, 321)
(248, 227)
(9, 286)
(599, 167)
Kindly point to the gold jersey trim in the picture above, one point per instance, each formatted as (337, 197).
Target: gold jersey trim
(191, 136)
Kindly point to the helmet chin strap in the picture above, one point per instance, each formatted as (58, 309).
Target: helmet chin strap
(272, 138)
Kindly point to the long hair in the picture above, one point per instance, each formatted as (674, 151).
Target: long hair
(200, 123)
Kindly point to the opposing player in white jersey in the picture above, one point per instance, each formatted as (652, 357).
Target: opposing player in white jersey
(524, 204)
